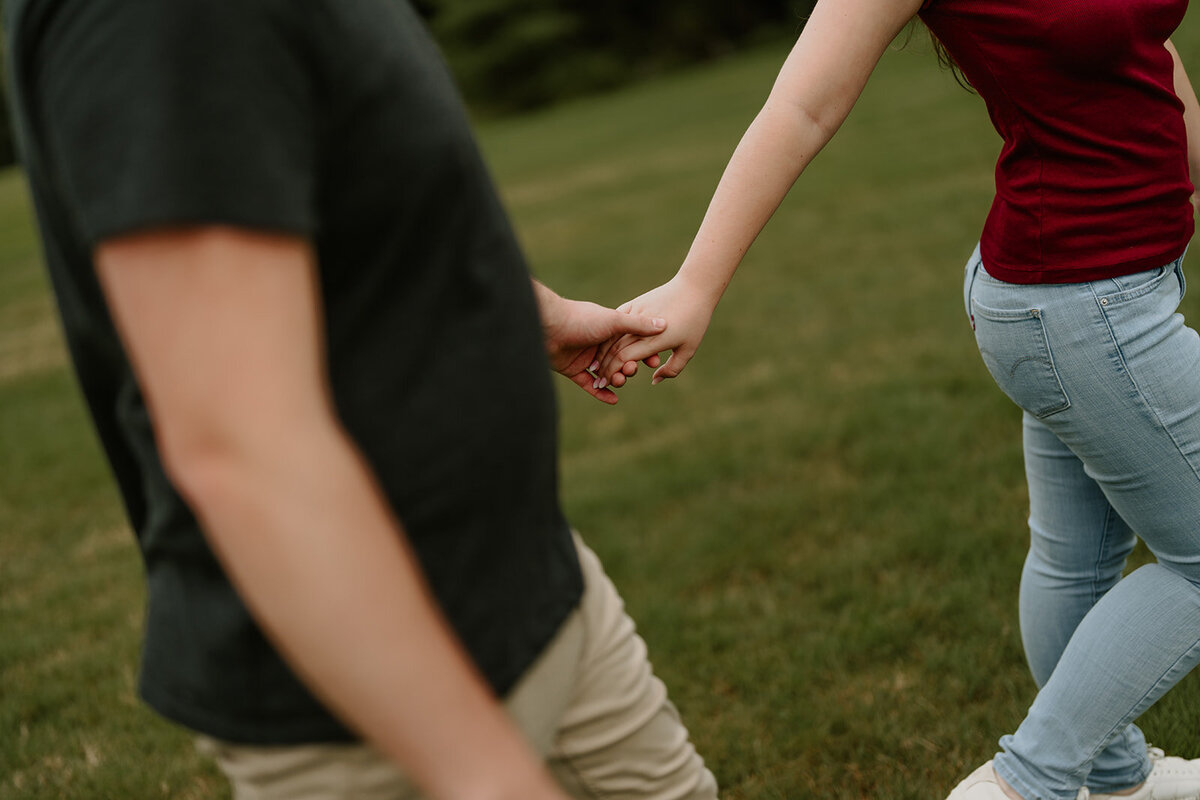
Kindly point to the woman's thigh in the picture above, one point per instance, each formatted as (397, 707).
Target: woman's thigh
(1110, 368)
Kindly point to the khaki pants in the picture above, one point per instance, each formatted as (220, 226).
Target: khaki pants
(590, 705)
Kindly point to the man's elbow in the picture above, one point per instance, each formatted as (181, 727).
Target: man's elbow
(203, 462)
(230, 451)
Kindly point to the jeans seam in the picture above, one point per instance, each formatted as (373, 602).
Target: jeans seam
(1116, 343)
(1152, 412)
(1104, 538)
(1142, 397)
(1131, 714)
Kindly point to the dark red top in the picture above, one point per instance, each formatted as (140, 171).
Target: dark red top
(1092, 181)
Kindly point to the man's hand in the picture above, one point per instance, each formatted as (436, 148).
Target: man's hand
(575, 332)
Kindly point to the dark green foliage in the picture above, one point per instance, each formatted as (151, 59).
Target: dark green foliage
(515, 54)
(510, 55)
(8, 145)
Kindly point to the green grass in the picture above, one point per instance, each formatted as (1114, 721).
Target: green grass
(819, 527)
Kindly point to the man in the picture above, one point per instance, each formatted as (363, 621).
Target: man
(308, 341)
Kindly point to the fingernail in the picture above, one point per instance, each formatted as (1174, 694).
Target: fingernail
(603, 383)
(659, 322)
(595, 366)
(596, 383)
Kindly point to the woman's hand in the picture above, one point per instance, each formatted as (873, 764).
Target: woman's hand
(687, 309)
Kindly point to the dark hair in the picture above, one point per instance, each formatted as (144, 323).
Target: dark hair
(947, 61)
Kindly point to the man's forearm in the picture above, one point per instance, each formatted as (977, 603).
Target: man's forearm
(314, 552)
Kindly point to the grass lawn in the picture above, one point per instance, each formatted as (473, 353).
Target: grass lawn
(818, 527)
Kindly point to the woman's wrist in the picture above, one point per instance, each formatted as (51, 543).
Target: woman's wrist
(706, 285)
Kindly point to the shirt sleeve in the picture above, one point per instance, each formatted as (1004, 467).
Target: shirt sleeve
(184, 112)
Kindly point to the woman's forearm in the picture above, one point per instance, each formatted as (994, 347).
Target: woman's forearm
(772, 154)
(819, 83)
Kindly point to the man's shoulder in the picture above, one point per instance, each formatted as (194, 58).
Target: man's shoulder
(25, 18)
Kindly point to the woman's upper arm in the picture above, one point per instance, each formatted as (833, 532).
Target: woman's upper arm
(841, 43)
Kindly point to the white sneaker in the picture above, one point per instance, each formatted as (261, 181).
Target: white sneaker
(1171, 778)
(982, 784)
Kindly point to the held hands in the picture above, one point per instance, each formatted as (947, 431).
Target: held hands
(689, 310)
(577, 332)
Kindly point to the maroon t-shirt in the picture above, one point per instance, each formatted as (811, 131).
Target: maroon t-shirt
(1092, 181)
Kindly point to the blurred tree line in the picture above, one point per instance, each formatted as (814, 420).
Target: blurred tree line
(517, 54)
(510, 55)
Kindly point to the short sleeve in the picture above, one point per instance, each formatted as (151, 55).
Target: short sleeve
(156, 114)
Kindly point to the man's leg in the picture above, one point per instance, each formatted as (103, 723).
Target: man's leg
(308, 772)
(590, 705)
(620, 738)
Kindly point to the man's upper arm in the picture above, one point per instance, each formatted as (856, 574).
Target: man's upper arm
(185, 113)
(223, 328)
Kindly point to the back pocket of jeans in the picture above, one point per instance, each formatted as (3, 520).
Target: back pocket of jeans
(1017, 354)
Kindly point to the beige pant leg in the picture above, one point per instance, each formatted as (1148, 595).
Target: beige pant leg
(589, 704)
(621, 738)
(359, 772)
(308, 772)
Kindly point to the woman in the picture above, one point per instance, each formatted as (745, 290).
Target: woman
(1072, 294)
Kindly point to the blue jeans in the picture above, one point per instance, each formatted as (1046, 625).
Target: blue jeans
(1108, 376)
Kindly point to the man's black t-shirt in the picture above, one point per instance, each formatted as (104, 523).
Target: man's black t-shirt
(335, 120)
